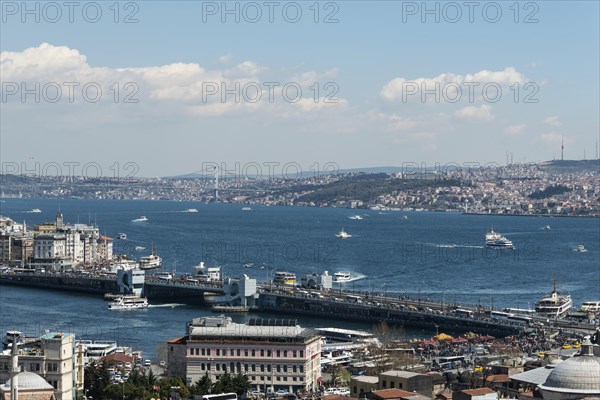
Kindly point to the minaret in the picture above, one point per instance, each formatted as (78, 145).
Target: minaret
(14, 379)
(562, 149)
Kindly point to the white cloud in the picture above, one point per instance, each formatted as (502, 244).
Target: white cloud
(515, 129)
(472, 113)
(178, 87)
(450, 87)
(553, 121)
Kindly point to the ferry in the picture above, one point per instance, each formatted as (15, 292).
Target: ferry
(284, 278)
(150, 262)
(554, 306)
(343, 235)
(121, 235)
(496, 240)
(547, 227)
(140, 219)
(590, 307)
(36, 210)
(128, 303)
(580, 249)
(355, 217)
(246, 209)
(342, 276)
(139, 248)
(191, 210)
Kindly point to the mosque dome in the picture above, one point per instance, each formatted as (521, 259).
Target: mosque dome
(30, 381)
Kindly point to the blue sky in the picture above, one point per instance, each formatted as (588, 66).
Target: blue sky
(369, 58)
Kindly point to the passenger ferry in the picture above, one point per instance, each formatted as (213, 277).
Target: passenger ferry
(128, 303)
(9, 336)
(207, 274)
(580, 248)
(191, 210)
(590, 307)
(496, 240)
(121, 235)
(150, 262)
(342, 276)
(140, 219)
(284, 278)
(555, 306)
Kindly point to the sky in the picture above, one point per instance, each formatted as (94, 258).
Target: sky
(157, 88)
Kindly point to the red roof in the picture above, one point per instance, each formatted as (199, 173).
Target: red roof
(498, 378)
(116, 357)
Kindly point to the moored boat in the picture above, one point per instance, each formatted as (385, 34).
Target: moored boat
(554, 305)
(284, 278)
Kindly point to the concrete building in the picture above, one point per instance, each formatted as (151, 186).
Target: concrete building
(52, 357)
(362, 384)
(273, 354)
(395, 394)
(405, 380)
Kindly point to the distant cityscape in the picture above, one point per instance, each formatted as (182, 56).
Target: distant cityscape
(552, 188)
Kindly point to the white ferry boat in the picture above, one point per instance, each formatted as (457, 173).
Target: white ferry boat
(343, 234)
(121, 235)
(140, 219)
(128, 303)
(554, 306)
(284, 278)
(191, 210)
(207, 274)
(342, 276)
(496, 240)
(139, 248)
(150, 262)
(246, 209)
(580, 249)
(355, 217)
(36, 210)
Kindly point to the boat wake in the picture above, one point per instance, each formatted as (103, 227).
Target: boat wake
(166, 305)
(451, 245)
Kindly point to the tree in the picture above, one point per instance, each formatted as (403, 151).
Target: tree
(224, 384)
(241, 384)
(202, 386)
(97, 379)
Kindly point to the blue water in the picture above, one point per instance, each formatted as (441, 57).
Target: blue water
(427, 255)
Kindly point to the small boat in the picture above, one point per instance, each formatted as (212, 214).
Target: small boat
(580, 249)
(191, 210)
(36, 210)
(343, 235)
(405, 217)
(128, 303)
(122, 235)
(246, 209)
(248, 265)
(139, 248)
(547, 227)
(496, 240)
(140, 219)
(355, 217)
(342, 276)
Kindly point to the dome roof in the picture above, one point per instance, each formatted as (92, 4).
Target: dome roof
(30, 381)
(580, 374)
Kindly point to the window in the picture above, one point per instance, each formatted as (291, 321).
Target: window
(278, 353)
(253, 353)
(218, 352)
(197, 352)
(245, 367)
(285, 353)
(232, 353)
(262, 353)
(269, 367)
(262, 367)
(278, 378)
(245, 352)
(301, 353)
(224, 366)
(202, 366)
(294, 379)
(232, 367)
(203, 352)
(238, 352)
(253, 367)
(208, 367)
(384, 384)
(301, 368)
(294, 368)
(285, 368)
(269, 353)
(218, 367)
(285, 378)
(208, 352)
(279, 368)
(294, 354)
(391, 384)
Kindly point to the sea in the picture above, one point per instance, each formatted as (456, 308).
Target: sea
(427, 255)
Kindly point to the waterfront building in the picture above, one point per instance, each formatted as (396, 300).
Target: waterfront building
(273, 354)
(16, 244)
(53, 358)
(393, 379)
